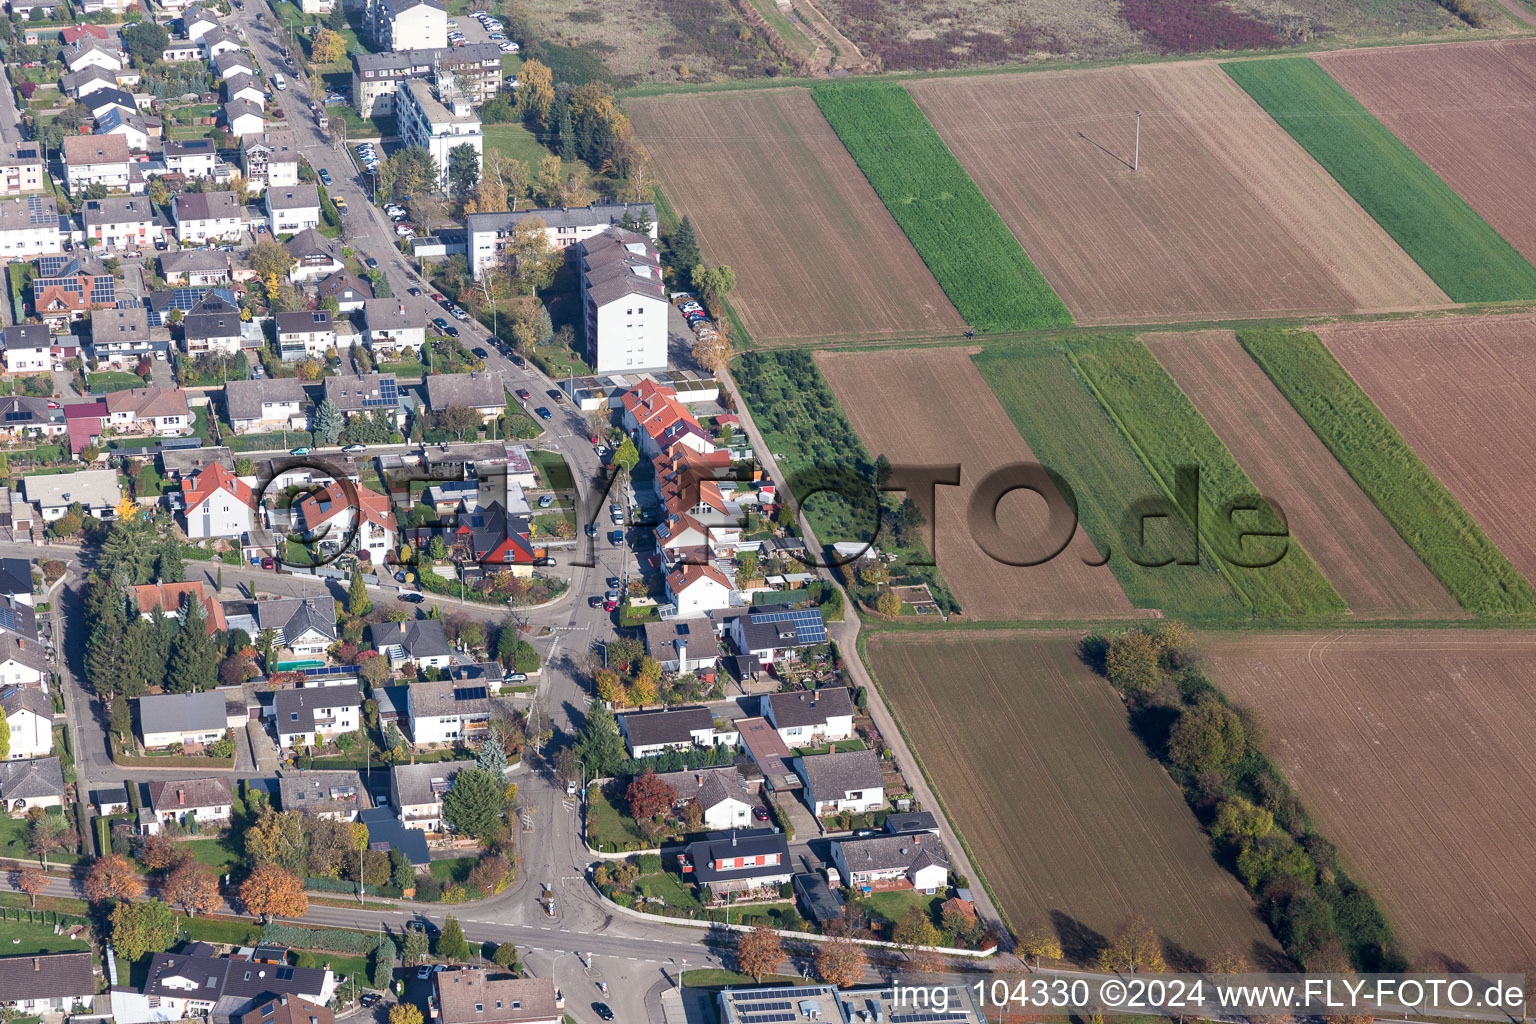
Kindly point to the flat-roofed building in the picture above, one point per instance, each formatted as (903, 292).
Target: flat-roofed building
(439, 118)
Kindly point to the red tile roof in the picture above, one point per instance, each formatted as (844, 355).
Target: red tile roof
(169, 596)
(333, 499)
(686, 576)
(210, 481)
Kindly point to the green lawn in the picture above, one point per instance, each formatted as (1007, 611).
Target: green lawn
(1068, 431)
(1369, 447)
(1170, 436)
(13, 843)
(455, 870)
(893, 905)
(216, 853)
(515, 142)
(1434, 225)
(975, 258)
(609, 827)
(840, 747)
(667, 886)
(552, 469)
(187, 131)
(19, 938)
(107, 381)
(359, 127)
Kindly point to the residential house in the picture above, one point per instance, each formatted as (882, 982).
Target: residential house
(183, 800)
(682, 648)
(181, 51)
(846, 781)
(26, 418)
(306, 626)
(196, 268)
(193, 982)
(658, 421)
(16, 581)
(314, 255)
(447, 711)
(233, 62)
(195, 158)
(203, 217)
(120, 336)
(288, 1010)
(915, 860)
(806, 718)
(419, 641)
(83, 422)
(417, 792)
(219, 42)
(270, 160)
(187, 719)
(244, 87)
(376, 77)
(486, 393)
(216, 503)
(21, 168)
(364, 394)
(737, 859)
(82, 83)
(349, 291)
(28, 784)
(118, 223)
(905, 822)
(697, 590)
(28, 349)
(488, 232)
(92, 53)
(647, 733)
(770, 635)
(173, 598)
(197, 22)
(48, 984)
(29, 228)
(66, 287)
(352, 516)
(292, 208)
(305, 333)
(475, 995)
(387, 832)
(624, 302)
(440, 118)
(492, 537)
(337, 795)
(111, 800)
(100, 101)
(406, 24)
(392, 331)
(133, 129)
(28, 716)
(325, 711)
(151, 410)
(96, 160)
(213, 325)
(265, 405)
(94, 489)
(723, 796)
(242, 118)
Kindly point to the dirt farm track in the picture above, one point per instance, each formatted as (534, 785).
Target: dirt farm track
(1414, 753)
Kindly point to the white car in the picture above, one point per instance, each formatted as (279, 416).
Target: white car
(515, 47)
(508, 47)
(405, 230)
(278, 83)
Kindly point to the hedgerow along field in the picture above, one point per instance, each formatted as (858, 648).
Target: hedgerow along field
(1434, 225)
(1063, 812)
(1411, 751)
(1070, 433)
(1168, 433)
(976, 260)
(1365, 559)
(1424, 513)
(781, 202)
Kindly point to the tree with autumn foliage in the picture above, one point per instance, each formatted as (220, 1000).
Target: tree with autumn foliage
(32, 881)
(759, 953)
(840, 962)
(192, 887)
(327, 47)
(648, 796)
(272, 892)
(159, 852)
(404, 1013)
(113, 877)
(1134, 948)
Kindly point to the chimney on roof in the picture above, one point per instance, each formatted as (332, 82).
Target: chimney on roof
(181, 796)
(37, 963)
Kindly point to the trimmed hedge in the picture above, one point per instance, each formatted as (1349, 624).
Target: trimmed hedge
(335, 940)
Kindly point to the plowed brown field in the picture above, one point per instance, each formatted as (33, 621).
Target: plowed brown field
(1065, 812)
(1227, 215)
(1468, 110)
(773, 194)
(1462, 392)
(932, 406)
(1365, 559)
(1413, 752)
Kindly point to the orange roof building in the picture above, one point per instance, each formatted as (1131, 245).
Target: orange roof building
(170, 597)
(339, 507)
(216, 503)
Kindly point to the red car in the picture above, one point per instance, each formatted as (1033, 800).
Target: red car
(595, 439)
(610, 606)
(267, 563)
(524, 394)
(438, 297)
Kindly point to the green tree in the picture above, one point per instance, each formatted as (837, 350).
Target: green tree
(491, 758)
(328, 422)
(142, 928)
(411, 171)
(358, 601)
(1207, 735)
(105, 646)
(130, 551)
(5, 737)
(598, 745)
(381, 966)
(145, 42)
(194, 661)
(463, 170)
(415, 949)
(683, 248)
(451, 945)
(1131, 662)
(473, 805)
(437, 550)
(169, 567)
(505, 956)
(530, 260)
(119, 718)
(626, 455)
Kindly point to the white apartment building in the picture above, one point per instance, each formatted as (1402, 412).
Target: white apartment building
(292, 208)
(624, 302)
(120, 223)
(488, 232)
(202, 217)
(438, 119)
(21, 168)
(96, 160)
(392, 331)
(28, 348)
(407, 24)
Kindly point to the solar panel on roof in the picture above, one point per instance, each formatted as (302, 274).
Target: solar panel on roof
(389, 394)
(469, 693)
(47, 266)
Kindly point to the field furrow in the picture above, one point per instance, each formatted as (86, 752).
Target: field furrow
(1354, 545)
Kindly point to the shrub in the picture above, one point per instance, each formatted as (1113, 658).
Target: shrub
(336, 940)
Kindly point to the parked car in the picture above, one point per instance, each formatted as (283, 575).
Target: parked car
(610, 606)
(341, 206)
(515, 677)
(415, 292)
(602, 1011)
(367, 998)
(440, 323)
(355, 448)
(614, 583)
(412, 598)
(616, 538)
(300, 450)
(517, 360)
(372, 263)
(546, 560)
(268, 563)
(325, 177)
(458, 313)
(594, 601)
(451, 331)
(556, 394)
(544, 413)
(760, 813)
(524, 394)
(591, 529)
(546, 500)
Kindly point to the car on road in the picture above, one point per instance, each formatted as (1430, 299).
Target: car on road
(556, 394)
(372, 263)
(438, 297)
(616, 537)
(300, 450)
(544, 413)
(479, 353)
(268, 563)
(546, 560)
(399, 577)
(610, 606)
(341, 206)
(517, 360)
(279, 83)
(414, 292)
(458, 313)
(355, 448)
(600, 450)
(451, 331)
(760, 813)
(591, 529)
(602, 1011)
(523, 393)
(614, 583)
(440, 323)
(367, 998)
(441, 301)
(411, 598)
(423, 972)
(594, 601)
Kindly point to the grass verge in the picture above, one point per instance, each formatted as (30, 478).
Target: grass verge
(1424, 513)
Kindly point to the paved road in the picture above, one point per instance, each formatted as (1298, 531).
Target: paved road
(10, 117)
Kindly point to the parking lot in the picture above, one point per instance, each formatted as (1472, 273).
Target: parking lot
(470, 30)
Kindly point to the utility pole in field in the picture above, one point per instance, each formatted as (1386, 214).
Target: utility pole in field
(1136, 160)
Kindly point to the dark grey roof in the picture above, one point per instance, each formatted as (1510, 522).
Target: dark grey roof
(598, 214)
(183, 712)
(882, 853)
(450, 697)
(30, 780)
(205, 205)
(911, 821)
(234, 58)
(116, 210)
(26, 336)
(213, 317)
(294, 615)
(47, 976)
(755, 842)
(470, 390)
(661, 640)
(294, 197)
(309, 241)
(28, 698)
(117, 794)
(414, 783)
(387, 832)
(323, 792)
(15, 575)
(102, 98)
(834, 776)
(168, 794)
(349, 391)
(242, 982)
(294, 710)
(193, 261)
(420, 63)
(419, 638)
(343, 285)
(304, 321)
(807, 707)
(772, 629)
(667, 725)
(820, 901)
(709, 786)
(189, 147)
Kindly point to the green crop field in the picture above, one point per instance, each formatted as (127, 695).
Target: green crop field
(972, 254)
(1369, 447)
(1434, 225)
(1069, 433)
(1168, 433)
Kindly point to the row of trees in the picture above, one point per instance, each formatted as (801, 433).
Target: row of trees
(126, 655)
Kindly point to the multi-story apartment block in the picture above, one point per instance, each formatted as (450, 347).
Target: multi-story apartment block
(488, 232)
(439, 118)
(21, 168)
(376, 77)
